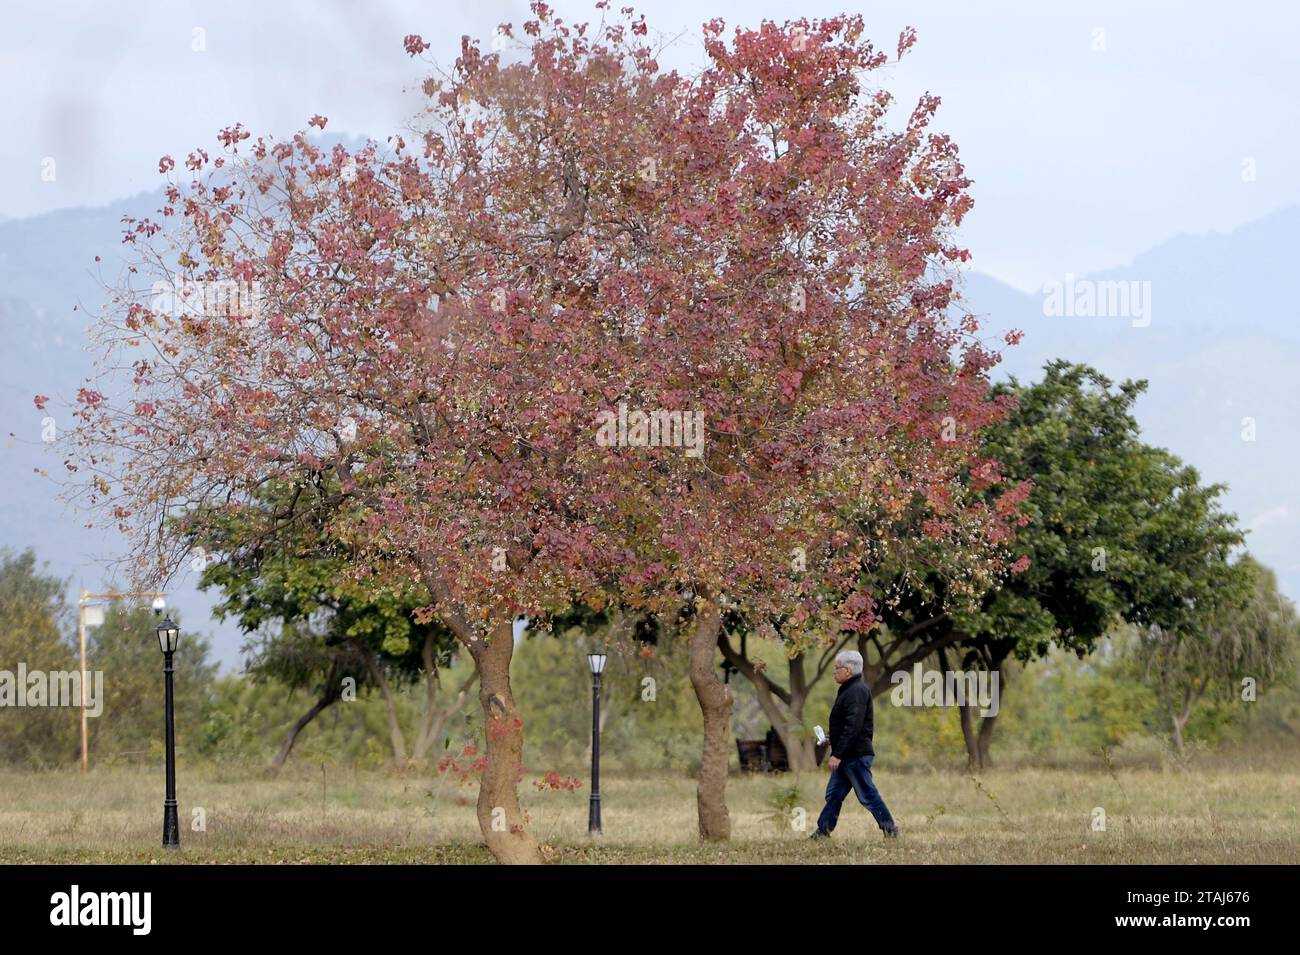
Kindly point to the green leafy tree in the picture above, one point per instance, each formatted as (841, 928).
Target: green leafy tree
(33, 620)
(246, 722)
(314, 626)
(35, 629)
(1244, 639)
(649, 717)
(1113, 530)
(1117, 530)
(125, 648)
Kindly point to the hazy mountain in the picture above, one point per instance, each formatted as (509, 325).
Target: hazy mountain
(50, 285)
(1222, 345)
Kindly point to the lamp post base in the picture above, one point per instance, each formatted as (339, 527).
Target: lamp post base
(593, 815)
(171, 826)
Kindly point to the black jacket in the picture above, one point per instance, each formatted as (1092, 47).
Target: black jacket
(851, 721)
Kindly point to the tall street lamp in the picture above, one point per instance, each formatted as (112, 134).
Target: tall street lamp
(597, 663)
(168, 634)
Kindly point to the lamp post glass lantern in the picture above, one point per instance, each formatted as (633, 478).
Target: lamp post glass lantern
(596, 662)
(168, 636)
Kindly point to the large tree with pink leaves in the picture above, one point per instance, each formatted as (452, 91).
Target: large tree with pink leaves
(799, 299)
(600, 333)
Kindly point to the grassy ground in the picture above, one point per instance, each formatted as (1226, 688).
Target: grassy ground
(1207, 814)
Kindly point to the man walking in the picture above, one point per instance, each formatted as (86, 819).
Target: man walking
(851, 752)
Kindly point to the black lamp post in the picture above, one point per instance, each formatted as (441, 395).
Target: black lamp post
(168, 634)
(597, 663)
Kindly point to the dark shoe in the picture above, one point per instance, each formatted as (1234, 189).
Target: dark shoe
(819, 835)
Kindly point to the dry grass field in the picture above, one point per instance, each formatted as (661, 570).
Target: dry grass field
(1216, 813)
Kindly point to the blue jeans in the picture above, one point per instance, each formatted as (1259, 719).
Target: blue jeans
(854, 774)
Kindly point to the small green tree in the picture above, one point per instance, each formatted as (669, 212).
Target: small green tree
(36, 628)
(1117, 531)
(313, 625)
(33, 620)
(1245, 638)
(125, 648)
(649, 717)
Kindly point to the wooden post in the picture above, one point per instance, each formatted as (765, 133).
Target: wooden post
(81, 637)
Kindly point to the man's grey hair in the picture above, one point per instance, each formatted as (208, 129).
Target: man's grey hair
(852, 660)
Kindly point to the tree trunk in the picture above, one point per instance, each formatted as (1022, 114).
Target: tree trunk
(299, 725)
(985, 740)
(802, 753)
(1180, 721)
(395, 736)
(971, 737)
(432, 683)
(715, 703)
(798, 748)
(436, 723)
(989, 723)
(801, 748)
(781, 721)
(499, 815)
(979, 742)
(1191, 694)
(974, 760)
(787, 722)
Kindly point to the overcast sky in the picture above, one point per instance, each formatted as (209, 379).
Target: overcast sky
(1082, 157)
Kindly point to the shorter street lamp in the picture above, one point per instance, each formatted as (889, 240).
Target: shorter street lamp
(597, 663)
(168, 635)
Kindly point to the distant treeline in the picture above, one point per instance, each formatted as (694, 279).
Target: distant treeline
(1064, 709)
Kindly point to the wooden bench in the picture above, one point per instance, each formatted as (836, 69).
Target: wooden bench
(769, 755)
